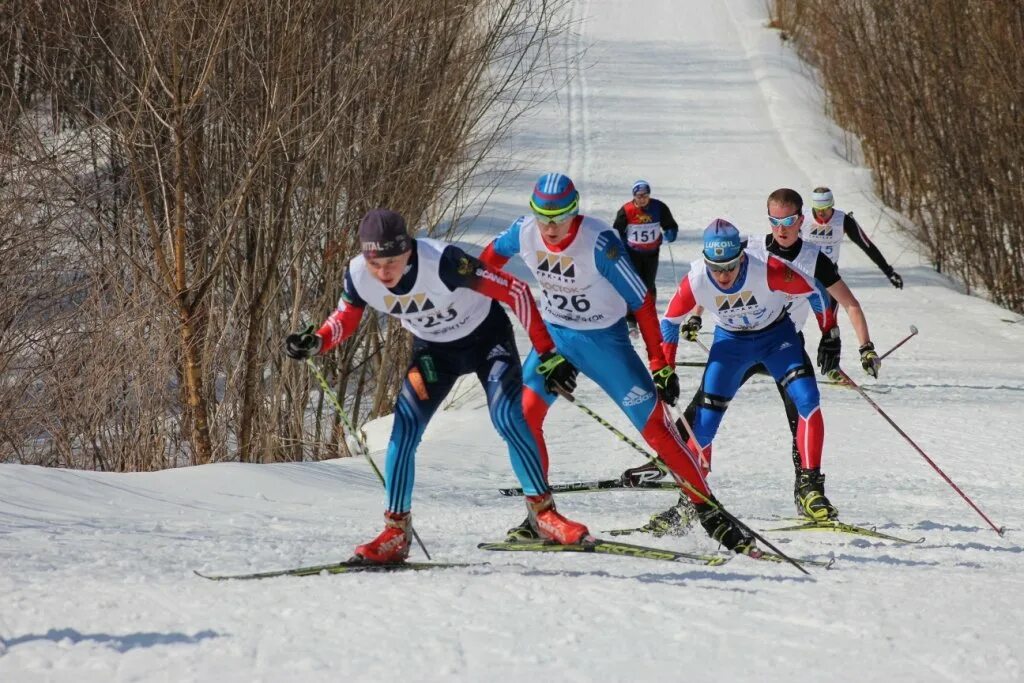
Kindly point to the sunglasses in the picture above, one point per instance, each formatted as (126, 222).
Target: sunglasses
(725, 267)
(786, 222)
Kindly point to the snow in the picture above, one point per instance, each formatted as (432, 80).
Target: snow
(709, 106)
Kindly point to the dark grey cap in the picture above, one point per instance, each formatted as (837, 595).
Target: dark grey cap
(382, 233)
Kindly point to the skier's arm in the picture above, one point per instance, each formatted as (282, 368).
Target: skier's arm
(609, 255)
(340, 324)
(682, 302)
(841, 293)
(459, 269)
(503, 247)
(782, 278)
(853, 230)
(667, 221)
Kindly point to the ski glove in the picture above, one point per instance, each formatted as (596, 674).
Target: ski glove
(302, 345)
(690, 328)
(829, 349)
(558, 373)
(869, 359)
(667, 383)
(670, 235)
(895, 279)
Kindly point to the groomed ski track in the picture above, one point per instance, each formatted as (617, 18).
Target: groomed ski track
(713, 110)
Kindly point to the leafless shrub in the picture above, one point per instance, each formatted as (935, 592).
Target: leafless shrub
(935, 91)
(198, 168)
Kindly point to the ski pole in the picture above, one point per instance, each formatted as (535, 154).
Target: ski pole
(359, 438)
(913, 331)
(675, 278)
(611, 428)
(680, 482)
(999, 530)
(689, 430)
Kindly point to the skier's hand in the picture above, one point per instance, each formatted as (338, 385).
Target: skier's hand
(690, 328)
(670, 235)
(829, 350)
(302, 345)
(667, 383)
(869, 360)
(895, 279)
(558, 373)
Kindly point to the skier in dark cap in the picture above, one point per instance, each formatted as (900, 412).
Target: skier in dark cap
(449, 301)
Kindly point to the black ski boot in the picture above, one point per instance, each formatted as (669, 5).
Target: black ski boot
(810, 496)
(675, 521)
(523, 532)
(724, 530)
(635, 476)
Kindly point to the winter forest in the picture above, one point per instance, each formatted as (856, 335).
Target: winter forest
(181, 188)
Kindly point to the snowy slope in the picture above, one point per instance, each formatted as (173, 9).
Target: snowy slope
(701, 100)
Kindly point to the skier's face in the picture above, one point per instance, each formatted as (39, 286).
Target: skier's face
(388, 269)
(642, 199)
(822, 215)
(554, 233)
(785, 236)
(726, 278)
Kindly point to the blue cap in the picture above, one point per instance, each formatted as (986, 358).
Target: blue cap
(555, 196)
(722, 241)
(641, 186)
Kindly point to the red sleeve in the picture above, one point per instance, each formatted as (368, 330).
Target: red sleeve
(782, 278)
(510, 290)
(682, 302)
(339, 326)
(647, 321)
(492, 258)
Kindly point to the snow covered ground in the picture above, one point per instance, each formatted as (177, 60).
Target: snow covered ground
(703, 101)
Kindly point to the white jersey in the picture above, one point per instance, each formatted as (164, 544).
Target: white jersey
(752, 307)
(827, 237)
(429, 310)
(806, 262)
(576, 294)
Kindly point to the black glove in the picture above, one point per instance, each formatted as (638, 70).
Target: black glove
(302, 345)
(869, 360)
(690, 328)
(829, 349)
(667, 383)
(558, 373)
(895, 279)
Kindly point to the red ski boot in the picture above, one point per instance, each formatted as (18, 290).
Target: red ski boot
(392, 545)
(551, 525)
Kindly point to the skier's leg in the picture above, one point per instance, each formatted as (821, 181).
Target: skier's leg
(536, 401)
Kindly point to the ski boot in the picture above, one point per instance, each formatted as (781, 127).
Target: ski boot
(549, 524)
(675, 521)
(392, 545)
(523, 532)
(724, 530)
(643, 474)
(810, 496)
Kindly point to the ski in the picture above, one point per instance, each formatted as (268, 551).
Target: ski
(601, 546)
(772, 557)
(599, 485)
(843, 527)
(348, 567)
(844, 385)
(656, 533)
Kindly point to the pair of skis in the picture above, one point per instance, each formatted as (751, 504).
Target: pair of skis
(598, 546)
(801, 525)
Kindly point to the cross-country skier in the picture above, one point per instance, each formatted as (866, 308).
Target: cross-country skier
(448, 300)
(828, 227)
(588, 285)
(784, 241)
(642, 224)
(749, 292)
